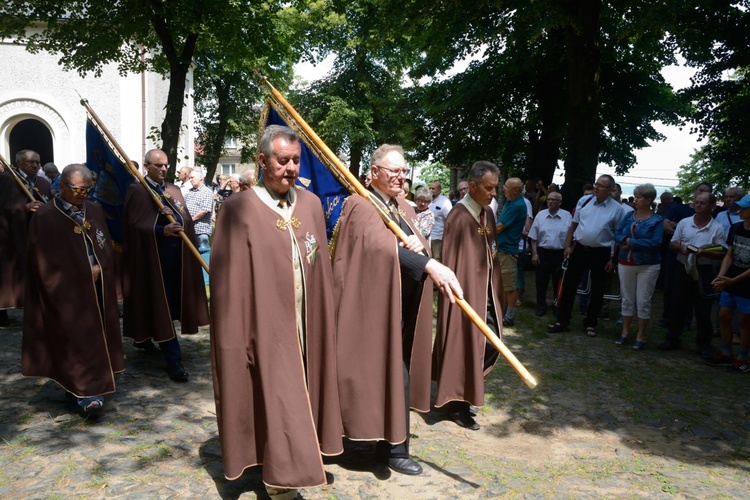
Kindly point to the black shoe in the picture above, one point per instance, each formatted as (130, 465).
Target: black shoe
(93, 408)
(405, 466)
(541, 311)
(177, 372)
(669, 345)
(147, 346)
(508, 321)
(473, 410)
(558, 328)
(465, 420)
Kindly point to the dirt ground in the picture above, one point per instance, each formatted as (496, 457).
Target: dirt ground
(604, 421)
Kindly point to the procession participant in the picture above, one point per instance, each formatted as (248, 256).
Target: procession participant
(462, 357)
(384, 314)
(274, 358)
(162, 280)
(16, 210)
(71, 332)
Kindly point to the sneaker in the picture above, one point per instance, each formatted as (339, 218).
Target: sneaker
(718, 359)
(508, 321)
(739, 366)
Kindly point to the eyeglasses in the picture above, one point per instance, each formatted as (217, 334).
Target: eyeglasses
(159, 165)
(554, 199)
(602, 186)
(80, 189)
(395, 172)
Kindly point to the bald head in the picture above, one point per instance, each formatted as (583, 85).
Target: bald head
(512, 188)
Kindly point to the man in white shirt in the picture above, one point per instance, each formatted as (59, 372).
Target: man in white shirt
(547, 236)
(440, 206)
(183, 180)
(697, 232)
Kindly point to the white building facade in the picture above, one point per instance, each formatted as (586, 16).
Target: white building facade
(40, 108)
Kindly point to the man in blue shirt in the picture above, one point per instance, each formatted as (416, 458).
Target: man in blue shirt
(510, 225)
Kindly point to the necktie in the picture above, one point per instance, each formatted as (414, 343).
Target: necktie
(394, 211)
(77, 215)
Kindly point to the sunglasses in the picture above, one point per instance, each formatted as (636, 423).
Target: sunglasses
(80, 189)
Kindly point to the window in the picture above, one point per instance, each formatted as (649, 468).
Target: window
(228, 168)
(230, 143)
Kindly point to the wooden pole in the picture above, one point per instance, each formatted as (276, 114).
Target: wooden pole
(355, 186)
(156, 199)
(18, 180)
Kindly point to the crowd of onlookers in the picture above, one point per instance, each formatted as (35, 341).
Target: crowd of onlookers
(694, 251)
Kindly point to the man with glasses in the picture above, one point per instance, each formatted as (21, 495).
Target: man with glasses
(73, 335)
(15, 214)
(547, 236)
(162, 278)
(463, 188)
(589, 245)
(383, 295)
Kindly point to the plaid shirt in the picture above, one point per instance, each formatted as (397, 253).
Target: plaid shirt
(197, 200)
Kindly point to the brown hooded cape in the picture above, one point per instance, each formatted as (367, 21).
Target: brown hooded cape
(14, 223)
(71, 331)
(458, 355)
(146, 307)
(370, 309)
(275, 406)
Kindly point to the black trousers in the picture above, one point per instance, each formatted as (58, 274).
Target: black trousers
(685, 294)
(550, 266)
(582, 259)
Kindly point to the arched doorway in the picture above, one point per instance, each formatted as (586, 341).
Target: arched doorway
(31, 134)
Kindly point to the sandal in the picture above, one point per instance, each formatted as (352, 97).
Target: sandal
(639, 345)
(591, 331)
(620, 341)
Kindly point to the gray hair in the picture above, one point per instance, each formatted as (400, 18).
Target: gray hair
(480, 168)
(271, 132)
(76, 169)
(22, 153)
(647, 191)
(50, 168)
(740, 192)
(422, 193)
(383, 150)
(198, 171)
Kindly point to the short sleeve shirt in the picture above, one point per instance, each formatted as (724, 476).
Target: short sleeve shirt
(739, 240)
(513, 217)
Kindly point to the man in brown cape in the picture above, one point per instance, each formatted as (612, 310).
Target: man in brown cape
(162, 280)
(71, 327)
(273, 330)
(384, 312)
(15, 214)
(462, 357)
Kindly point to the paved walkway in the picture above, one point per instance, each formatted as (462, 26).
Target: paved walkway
(580, 434)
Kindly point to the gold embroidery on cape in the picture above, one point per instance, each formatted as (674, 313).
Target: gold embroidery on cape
(79, 230)
(483, 230)
(294, 222)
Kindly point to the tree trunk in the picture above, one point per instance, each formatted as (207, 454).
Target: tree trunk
(584, 59)
(215, 148)
(170, 127)
(551, 92)
(355, 159)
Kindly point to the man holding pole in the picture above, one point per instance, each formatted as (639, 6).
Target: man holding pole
(162, 281)
(21, 194)
(462, 357)
(383, 295)
(273, 331)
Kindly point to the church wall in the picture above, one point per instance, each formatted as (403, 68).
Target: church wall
(36, 86)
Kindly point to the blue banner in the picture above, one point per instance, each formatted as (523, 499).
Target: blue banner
(315, 177)
(112, 179)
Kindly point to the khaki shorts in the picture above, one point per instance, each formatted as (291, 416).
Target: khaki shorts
(509, 270)
(436, 249)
